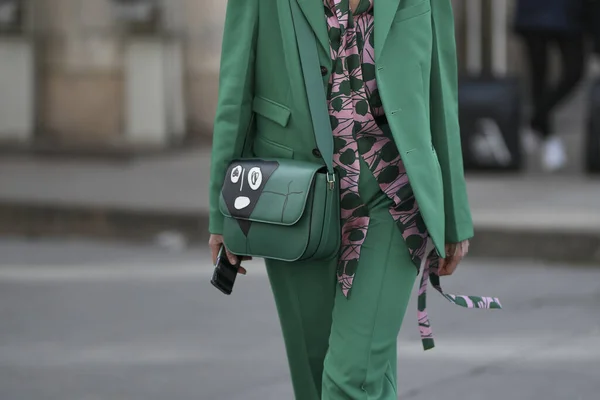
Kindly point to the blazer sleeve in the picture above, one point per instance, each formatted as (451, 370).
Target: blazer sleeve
(445, 129)
(236, 90)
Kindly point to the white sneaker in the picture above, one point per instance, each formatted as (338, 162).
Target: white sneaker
(554, 156)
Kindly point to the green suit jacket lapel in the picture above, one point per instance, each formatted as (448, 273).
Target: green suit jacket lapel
(314, 12)
(384, 12)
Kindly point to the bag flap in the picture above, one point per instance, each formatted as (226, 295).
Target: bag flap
(267, 190)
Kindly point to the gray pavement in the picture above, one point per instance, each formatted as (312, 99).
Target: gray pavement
(555, 217)
(84, 320)
(180, 184)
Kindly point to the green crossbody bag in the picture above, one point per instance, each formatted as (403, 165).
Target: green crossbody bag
(286, 209)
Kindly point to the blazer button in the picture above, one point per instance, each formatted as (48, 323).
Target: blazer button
(316, 153)
(323, 71)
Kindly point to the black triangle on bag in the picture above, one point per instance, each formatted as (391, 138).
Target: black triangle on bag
(243, 186)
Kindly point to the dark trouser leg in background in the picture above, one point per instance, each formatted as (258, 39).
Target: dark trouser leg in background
(537, 47)
(544, 96)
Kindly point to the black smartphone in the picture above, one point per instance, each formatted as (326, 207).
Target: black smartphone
(224, 275)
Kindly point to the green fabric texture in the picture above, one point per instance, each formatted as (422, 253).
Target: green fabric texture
(298, 202)
(345, 348)
(416, 73)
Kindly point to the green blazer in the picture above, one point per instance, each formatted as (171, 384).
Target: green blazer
(262, 97)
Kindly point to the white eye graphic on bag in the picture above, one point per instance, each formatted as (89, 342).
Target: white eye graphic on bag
(255, 178)
(236, 173)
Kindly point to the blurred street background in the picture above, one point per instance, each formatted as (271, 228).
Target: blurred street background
(106, 111)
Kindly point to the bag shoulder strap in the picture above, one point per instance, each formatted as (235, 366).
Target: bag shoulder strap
(313, 81)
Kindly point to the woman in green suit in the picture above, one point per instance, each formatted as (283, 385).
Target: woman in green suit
(389, 71)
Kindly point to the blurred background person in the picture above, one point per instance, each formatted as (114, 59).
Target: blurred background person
(545, 25)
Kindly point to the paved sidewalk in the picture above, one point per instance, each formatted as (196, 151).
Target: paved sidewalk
(180, 184)
(88, 321)
(173, 183)
(520, 214)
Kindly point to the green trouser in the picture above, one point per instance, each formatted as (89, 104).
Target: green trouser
(345, 348)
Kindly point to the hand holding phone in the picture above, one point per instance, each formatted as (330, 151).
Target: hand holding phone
(225, 273)
(216, 244)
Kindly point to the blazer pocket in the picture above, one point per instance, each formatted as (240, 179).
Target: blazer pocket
(269, 149)
(411, 11)
(272, 110)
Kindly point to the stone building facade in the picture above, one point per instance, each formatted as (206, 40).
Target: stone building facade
(80, 62)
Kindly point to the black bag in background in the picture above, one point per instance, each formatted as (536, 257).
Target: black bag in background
(592, 140)
(490, 121)
(489, 102)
